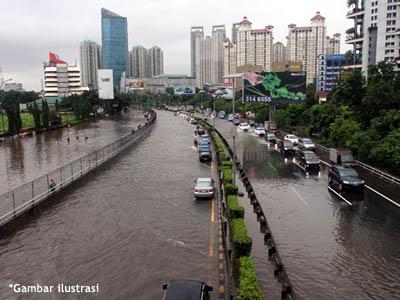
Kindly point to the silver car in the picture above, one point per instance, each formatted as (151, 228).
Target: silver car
(203, 187)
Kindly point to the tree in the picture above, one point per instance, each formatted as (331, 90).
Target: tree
(351, 31)
(36, 117)
(45, 114)
(351, 3)
(310, 96)
(350, 89)
(387, 152)
(11, 106)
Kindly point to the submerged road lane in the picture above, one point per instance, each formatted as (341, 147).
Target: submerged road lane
(27, 158)
(129, 228)
(330, 250)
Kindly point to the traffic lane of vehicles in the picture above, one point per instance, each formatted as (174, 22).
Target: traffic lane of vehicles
(384, 190)
(316, 236)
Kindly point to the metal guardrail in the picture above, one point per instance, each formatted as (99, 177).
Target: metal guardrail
(371, 169)
(23, 198)
(287, 291)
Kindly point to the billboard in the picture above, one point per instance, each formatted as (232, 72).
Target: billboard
(184, 90)
(274, 88)
(135, 85)
(105, 83)
(227, 92)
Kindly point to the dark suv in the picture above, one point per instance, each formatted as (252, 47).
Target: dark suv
(187, 289)
(345, 179)
(308, 160)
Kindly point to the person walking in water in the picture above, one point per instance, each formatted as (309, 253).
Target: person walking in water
(86, 138)
(68, 140)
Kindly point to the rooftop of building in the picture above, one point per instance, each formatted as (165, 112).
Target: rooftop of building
(105, 13)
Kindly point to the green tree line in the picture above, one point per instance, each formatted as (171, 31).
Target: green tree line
(362, 114)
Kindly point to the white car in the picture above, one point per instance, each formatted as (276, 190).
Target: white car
(203, 187)
(259, 131)
(307, 144)
(244, 126)
(291, 137)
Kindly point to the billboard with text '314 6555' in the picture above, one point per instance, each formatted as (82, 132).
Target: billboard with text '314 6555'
(274, 88)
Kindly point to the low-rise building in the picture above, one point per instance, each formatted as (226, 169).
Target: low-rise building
(60, 79)
(330, 66)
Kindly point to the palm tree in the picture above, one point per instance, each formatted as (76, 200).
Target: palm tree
(351, 31)
(350, 3)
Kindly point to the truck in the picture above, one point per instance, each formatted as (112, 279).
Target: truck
(342, 157)
(270, 126)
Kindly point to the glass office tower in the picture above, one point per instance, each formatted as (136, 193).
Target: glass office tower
(114, 38)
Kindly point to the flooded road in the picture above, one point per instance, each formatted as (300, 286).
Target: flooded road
(330, 249)
(130, 227)
(26, 158)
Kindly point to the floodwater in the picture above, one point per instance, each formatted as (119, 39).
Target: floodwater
(331, 250)
(130, 227)
(26, 158)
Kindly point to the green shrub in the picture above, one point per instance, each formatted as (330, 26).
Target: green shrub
(249, 288)
(227, 176)
(230, 189)
(241, 242)
(226, 163)
(235, 211)
(221, 155)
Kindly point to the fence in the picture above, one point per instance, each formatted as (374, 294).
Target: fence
(21, 199)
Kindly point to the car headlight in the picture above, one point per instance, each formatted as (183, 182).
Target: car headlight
(346, 182)
(362, 181)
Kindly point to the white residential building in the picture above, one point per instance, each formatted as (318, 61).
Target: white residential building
(156, 61)
(279, 52)
(376, 33)
(90, 62)
(252, 47)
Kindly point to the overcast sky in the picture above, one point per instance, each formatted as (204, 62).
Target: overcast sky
(30, 29)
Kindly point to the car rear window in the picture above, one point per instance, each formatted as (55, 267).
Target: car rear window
(203, 183)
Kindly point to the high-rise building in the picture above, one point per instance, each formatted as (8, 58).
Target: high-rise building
(146, 63)
(333, 44)
(156, 61)
(114, 38)
(60, 79)
(89, 63)
(279, 52)
(235, 27)
(306, 43)
(252, 47)
(196, 34)
(375, 35)
(210, 57)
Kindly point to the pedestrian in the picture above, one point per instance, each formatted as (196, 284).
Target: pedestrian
(52, 185)
(86, 138)
(68, 140)
(339, 159)
(77, 137)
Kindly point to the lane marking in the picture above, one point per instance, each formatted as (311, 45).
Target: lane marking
(332, 190)
(298, 195)
(383, 196)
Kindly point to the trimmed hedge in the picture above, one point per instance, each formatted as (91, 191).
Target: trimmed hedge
(231, 189)
(249, 288)
(235, 211)
(227, 176)
(227, 163)
(241, 241)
